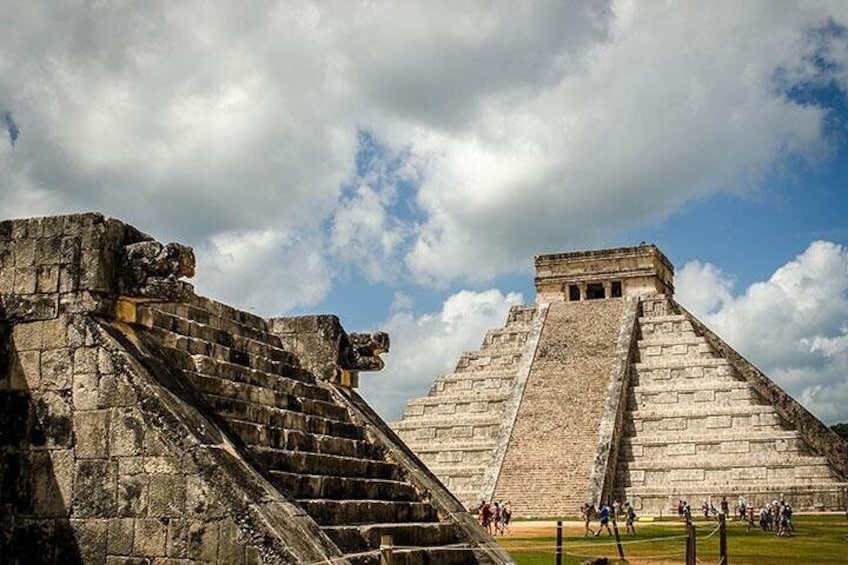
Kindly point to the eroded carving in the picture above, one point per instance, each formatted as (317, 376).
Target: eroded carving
(152, 270)
(362, 351)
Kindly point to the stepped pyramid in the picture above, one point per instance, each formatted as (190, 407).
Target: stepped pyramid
(140, 423)
(607, 388)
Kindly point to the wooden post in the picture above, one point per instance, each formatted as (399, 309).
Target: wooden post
(617, 538)
(559, 543)
(722, 539)
(386, 550)
(690, 543)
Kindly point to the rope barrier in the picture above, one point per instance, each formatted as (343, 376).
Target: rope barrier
(711, 534)
(543, 547)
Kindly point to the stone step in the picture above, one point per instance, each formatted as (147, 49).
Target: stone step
(459, 405)
(261, 396)
(695, 348)
(670, 339)
(712, 437)
(690, 385)
(481, 382)
(237, 372)
(220, 316)
(446, 431)
(207, 340)
(656, 306)
(306, 403)
(510, 338)
(521, 315)
(650, 328)
(280, 438)
(235, 409)
(354, 512)
(456, 554)
(475, 471)
(278, 416)
(481, 361)
(302, 486)
(694, 411)
(257, 390)
(682, 373)
(694, 399)
(355, 539)
(663, 319)
(442, 447)
(437, 420)
(195, 334)
(478, 457)
(701, 491)
(738, 449)
(495, 395)
(306, 463)
(751, 461)
(680, 362)
(504, 373)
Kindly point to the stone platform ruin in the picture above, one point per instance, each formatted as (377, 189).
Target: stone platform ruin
(607, 388)
(142, 424)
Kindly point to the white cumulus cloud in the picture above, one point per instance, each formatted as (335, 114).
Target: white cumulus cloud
(265, 272)
(518, 127)
(793, 326)
(430, 344)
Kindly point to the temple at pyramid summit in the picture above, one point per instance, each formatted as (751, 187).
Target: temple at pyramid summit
(142, 423)
(606, 388)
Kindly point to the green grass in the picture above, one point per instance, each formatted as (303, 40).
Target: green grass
(818, 540)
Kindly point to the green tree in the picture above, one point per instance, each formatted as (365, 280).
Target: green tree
(841, 429)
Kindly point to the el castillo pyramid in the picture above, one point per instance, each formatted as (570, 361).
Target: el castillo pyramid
(607, 388)
(143, 424)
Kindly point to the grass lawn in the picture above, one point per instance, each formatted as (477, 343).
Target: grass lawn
(818, 540)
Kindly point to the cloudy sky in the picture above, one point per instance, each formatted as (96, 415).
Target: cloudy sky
(399, 163)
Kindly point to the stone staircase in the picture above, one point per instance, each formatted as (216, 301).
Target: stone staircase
(695, 427)
(454, 429)
(549, 461)
(295, 430)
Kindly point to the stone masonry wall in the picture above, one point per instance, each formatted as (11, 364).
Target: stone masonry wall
(87, 474)
(59, 264)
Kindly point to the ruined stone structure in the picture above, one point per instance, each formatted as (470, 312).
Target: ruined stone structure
(141, 424)
(607, 388)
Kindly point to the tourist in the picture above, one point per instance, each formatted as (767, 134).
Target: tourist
(764, 517)
(506, 516)
(630, 513)
(486, 516)
(725, 506)
(587, 511)
(604, 515)
(497, 517)
(750, 517)
(784, 527)
(679, 508)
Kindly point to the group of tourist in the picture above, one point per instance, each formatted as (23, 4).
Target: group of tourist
(604, 513)
(494, 516)
(774, 515)
(779, 514)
